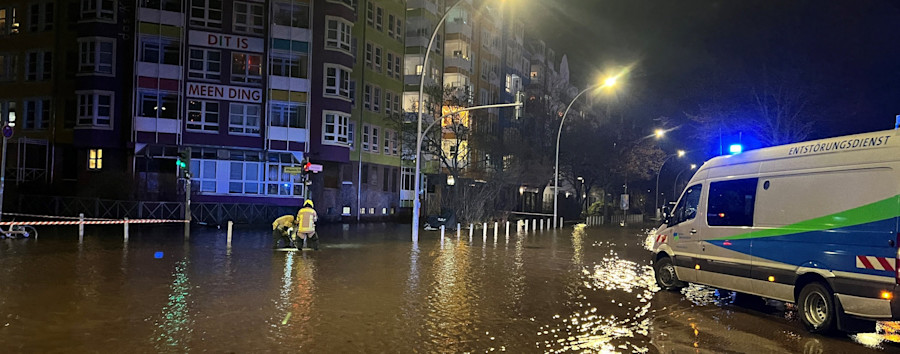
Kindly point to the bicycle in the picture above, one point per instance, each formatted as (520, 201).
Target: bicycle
(18, 231)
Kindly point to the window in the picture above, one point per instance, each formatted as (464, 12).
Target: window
(337, 81)
(245, 177)
(335, 128)
(104, 10)
(157, 104)
(387, 101)
(365, 138)
(94, 108)
(37, 114)
(687, 206)
(391, 24)
(160, 50)
(95, 55)
(8, 22)
(246, 68)
(8, 112)
(167, 5)
(203, 116)
(38, 66)
(397, 66)
(347, 3)
(390, 64)
(393, 143)
(388, 140)
(95, 159)
(351, 134)
(369, 55)
(205, 64)
(731, 202)
(378, 58)
(370, 13)
(374, 140)
(289, 64)
(379, 18)
(243, 119)
(291, 14)
(8, 67)
(338, 34)
(287, 114)
(367, 97)
(248, 17)
(206, 13)
(399, 31)
(280, 183)
(376, 99)
(396, 104)
(203, 174)
(41, 17)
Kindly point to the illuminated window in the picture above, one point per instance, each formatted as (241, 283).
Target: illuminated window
(95, 159)
(246, 67)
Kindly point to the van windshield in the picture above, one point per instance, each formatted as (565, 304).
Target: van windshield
(687, 206)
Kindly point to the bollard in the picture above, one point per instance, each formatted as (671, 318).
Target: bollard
(507, 228)
(442, 233)
(126, 229)
(229, 233)
(542, 224)
(533, 225)
(525, 225)
(80, 227)
(495, 231)
(457, 231)
(471, 229)
(560, 222)
(484, 233)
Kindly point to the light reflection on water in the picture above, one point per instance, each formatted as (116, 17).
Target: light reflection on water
(174, 324)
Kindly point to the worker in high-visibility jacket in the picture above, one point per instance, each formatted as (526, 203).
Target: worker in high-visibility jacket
(281, 230)
(306, 226)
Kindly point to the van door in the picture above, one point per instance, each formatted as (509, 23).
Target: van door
(685, 233)
(724, 245)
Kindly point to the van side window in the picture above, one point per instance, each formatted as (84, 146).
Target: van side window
(731, 202)
(687, 206)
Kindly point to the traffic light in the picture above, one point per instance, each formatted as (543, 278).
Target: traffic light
(184, 162)
(520, 101)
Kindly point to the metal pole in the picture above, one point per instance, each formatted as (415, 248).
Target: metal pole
(126, 229)
(2, 175)
(556, 168)
(416, 199)
(658, 172)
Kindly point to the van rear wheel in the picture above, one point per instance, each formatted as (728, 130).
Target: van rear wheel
(816, 308)
(665, 274)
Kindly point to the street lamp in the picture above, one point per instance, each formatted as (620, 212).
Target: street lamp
(583, 194)
(675, 186)
(680, 153)
(608, 82)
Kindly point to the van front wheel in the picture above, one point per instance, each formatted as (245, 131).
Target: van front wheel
(665, 275)
(816, 308)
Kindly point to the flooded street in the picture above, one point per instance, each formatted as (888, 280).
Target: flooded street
(369, 289)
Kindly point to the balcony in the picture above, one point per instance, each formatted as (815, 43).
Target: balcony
(458, 62)
(291, 33)
(417, 41)
(413, 80)
(288, 134)
(288, 83)
(162, 71)
(170, 18)
(459, 27)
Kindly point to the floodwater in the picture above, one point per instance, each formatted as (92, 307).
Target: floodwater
(369, 289)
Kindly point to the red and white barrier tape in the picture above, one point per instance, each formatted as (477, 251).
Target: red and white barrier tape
(92, 222)
(55, 217)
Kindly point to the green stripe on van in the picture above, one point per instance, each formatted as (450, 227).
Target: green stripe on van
(880, 210)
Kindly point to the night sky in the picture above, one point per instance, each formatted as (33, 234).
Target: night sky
(844, 55)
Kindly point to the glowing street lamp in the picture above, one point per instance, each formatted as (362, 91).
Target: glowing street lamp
(679, 153)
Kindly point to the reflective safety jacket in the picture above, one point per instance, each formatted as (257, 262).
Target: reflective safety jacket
(306, 219)
(285, 222)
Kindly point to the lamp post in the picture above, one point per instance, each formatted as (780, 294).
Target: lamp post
(417, 185)
(675, 186)
(583, 194)
(609, 82)
(680, 153)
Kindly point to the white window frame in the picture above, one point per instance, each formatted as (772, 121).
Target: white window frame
(365, 136)
(375, 144)
(205, 73)
(247, 184)
(253, 23)
(389, 58)
(8, 112)
(370, 13)
(8, 66)
(340, 126)
(397, 107)
(39, 70)
(90, 55)
(35, 119)
(287, 63)
(399, 30)
(95, 159)
(247, 75)
(376, 99)
(379, 18)
(286, 10)
(280, 114)
(8, 23)
(206, 20)
(338, 38)
(41, 19)
(341, 77)
(242, 112)
(391, 23)
(388, 140)
(88, 109)
(379, 55)
(159, 44)
(388, 98)
(367, 97)
(369, 54)
(155, 97)
(203, 125)
(93, 10)
(351, 135)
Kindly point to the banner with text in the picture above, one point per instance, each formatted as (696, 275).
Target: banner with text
(226, 41)
(223, 92)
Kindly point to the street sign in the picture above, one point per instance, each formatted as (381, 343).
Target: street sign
(315, 168)
(7, 131)
(293, 169)
(624, 202)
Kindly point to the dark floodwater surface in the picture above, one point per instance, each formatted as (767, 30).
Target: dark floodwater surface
(369, 289)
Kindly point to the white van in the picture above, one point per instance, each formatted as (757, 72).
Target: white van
(813, 223)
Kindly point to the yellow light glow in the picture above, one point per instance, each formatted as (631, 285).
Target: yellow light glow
(659, 133)
(887, 295)
(610, 81)
(771, 278)
(459, 117)
(681, 153)
(697, 267)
